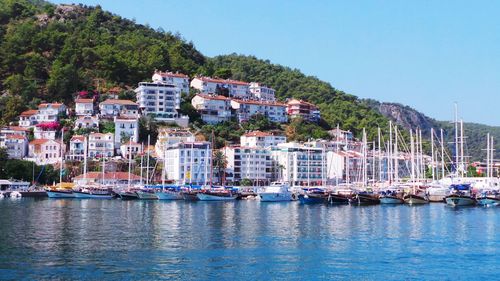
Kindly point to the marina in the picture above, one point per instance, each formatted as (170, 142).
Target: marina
(244, 240)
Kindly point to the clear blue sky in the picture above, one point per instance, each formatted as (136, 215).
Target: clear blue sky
(425, 54)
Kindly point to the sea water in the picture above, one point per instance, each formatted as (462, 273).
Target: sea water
(63, 239)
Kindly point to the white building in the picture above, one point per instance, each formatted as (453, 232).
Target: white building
(84, 107)
(235, 89)
(261, 92)
(168, 137)
(253, 163)
(49, 112)
(101, 145)
(117, 180)
(126, 128)
(45, 151)
(12, 130)
(213, 109)
(303, 109)
(245, 109)
(87, 122)
(126, 148)
(123, 108)
(41, 132)
(261, 139)
(180, 80)
(76, 148)
(300, 165)
(28, 118)
(189, 163)
(16, 146)
(161, 101)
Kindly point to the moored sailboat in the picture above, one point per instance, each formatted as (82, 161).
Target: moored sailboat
(460, 196)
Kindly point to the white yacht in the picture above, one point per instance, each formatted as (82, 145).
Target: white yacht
(277, 191)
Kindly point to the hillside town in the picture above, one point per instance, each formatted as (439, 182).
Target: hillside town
(109, 131)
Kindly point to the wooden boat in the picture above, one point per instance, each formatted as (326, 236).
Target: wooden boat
(34, 193)
(146, 195)
(364, 198)
(216, 195)
(336, 198)
(456, 200)
(128, 195)
(93, 194)
(413, 199)
(189, 195)
(57, 194)
(315, 197)
(391, 199)
(169, 195)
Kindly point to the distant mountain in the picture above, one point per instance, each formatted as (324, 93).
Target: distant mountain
(408, 117)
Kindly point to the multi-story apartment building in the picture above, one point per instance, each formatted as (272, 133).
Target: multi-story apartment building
(28, 118)
(130, 149)
(162, 101)
(168, 137)
(84, 107)
(180, 80)
(253, 163)
(12, 130)
(123, 108)
(261, 139)
(262, 92)
(212, 108)
(306, 110)
(45, 151)
(76, 148)
(189, 162)
(126, 128)
(16, 146)
(299, 165)
(101, 145)
(234, 89)
(87, 122)
(245, 109)
(44, 132)
(49, 112)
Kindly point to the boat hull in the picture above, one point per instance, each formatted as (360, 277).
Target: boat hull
(460, 201)
(313, 198)
(60, 194)
(128, 195)
(391, 200)
(275, 197)
(364, 199)
(142, 195)
(34, 194)
(210, 197)
(488, 201)
(338, 199)
(169, 195)
(189, 196)
(87, 195)
(415, 200)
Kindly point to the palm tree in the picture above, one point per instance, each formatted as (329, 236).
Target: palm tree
(219, 163)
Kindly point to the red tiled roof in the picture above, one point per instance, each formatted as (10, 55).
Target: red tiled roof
(30, 112)
(18, 137)
(259, 102)
(171, 74)
(122, 102)
(109, 175)
(84, 100)
(17, 128)
(45, 105)
(77, 137)
(39, 141)
(257, 134)
(223, 81)
(300, 102)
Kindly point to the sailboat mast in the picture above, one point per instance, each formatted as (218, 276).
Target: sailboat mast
(62, 159)
(142, 159)
(442, 155)
(462, 158)
(147, 160)
(412, 151)
(432, 155)
(389, 158)
(163, 172)
(129, 160)
(379, 156)
(422, 163)
(488, 156)
(456, 139)
(85, 151)
(396, 155)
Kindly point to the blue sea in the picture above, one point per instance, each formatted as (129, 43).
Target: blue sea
(47, 239)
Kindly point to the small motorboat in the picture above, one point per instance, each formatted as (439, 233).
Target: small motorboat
(2, 195)
(276, 192)
(15, 195)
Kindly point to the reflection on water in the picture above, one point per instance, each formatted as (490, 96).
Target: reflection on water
(92, 239)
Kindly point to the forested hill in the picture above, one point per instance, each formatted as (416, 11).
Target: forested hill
(49, 52)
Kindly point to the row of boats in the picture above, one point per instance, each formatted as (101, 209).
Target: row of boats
(454, 195)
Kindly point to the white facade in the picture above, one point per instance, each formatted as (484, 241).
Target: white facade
(49, 112)
(126, 127)
(101, 145)
(235, 89)
(87, 122)
(28, 118)
(161, 101)
(126, 148)
(261, 139)
(300, 165)
(44, 151)
(117, 180)
(253, 163)
(12, 130)
(189, 163)
(123, 108)
(76, 148)
(40, 133)
(245, 109)
(261, 92)
(84, 107)
(16, 146)
(168, 137)
(213, 109)
(181, 81)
